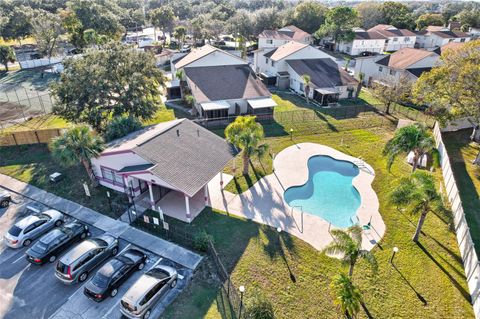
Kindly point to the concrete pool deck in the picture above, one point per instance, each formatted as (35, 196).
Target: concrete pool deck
(264, 202)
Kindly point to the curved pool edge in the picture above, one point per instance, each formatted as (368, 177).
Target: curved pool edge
(294, 159)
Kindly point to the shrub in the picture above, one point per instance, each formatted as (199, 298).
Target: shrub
(121, 126)
(189, 100)
(259, 307)
(200, 241)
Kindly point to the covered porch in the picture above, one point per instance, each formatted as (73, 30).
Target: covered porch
(215, 109)
(326, 96)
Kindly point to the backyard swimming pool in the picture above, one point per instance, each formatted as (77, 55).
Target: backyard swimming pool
(328, 192)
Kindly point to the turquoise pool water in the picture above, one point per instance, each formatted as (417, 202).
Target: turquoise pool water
(328, 192)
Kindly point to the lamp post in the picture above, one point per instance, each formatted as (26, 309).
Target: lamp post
(291, 134)
(242, 290)
(395, 250)
(109, 200)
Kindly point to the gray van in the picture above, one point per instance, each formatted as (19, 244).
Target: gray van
(139, 300)
(79, 261)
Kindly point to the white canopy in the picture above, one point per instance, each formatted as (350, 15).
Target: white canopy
(326, 91)
(261, 103)
(215, 105)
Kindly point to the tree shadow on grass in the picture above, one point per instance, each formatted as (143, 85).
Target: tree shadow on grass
(457, 285)
(419, 296)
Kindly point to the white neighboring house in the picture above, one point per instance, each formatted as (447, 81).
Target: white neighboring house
(435, 36)
(164, 167)
(364, 41)
(223, 84)
(396, 38)
(284, 66)
(276, 38)
(390, 68)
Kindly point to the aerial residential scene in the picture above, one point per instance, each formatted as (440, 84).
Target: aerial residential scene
(239, 159)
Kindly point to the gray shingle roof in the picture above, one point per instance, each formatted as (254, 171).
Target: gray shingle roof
(323, 72)
(224, 82)
(186, 156)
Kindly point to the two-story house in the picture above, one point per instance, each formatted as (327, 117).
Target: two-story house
(406, 62)
(396, 39)
(364, 41)
(275, 38)
(222, 84)
(435, 36)
(285, 66)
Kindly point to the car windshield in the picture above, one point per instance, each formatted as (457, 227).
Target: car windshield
(40, 247)
(99, 242)
(62, 268)
(100, 280)
(15, 231)
(158, 273)
(44, 216)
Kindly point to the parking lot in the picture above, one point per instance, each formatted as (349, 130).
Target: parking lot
(30, 291)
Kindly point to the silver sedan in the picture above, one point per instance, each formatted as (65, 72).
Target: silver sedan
(31, 227)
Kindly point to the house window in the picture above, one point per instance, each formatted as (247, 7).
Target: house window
(363, 42)
(111, 176)
(392, 72)
(395, 39)
(462, 40)
(273, 63)
(406, 39)
(269, 41)
(266, 60)
(301, 87)
(380, 69)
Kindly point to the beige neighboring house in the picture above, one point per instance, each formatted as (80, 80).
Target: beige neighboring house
(390, 68)
(396, 39)
(275, 38)
(222, 84)
(435, 36)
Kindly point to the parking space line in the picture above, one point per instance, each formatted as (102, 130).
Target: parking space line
(156, 263)
(18, 259)
(81, 286)
(126, 247)
(180, 277)
(115, 305)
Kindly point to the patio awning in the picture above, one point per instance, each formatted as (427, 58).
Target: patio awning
(326, 91)
(261, 103)
(135, 168)
(267, 75)
(172, 84)
(216, 105)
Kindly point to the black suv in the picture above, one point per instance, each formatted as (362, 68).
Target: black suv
(108, 279)
(5, 198)
(54, 242)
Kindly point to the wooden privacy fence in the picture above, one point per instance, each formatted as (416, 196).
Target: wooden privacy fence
(29, 137)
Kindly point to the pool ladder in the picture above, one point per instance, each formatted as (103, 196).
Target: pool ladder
(361, 165)
(301, 217)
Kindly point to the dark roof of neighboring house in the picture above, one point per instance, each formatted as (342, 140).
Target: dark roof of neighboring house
(368, 35)
(323, 72)
(450, 34)
(274, 34)
(289, 32)
(418, 71)
(224, 82)
(186, 155)
(403, 58)
(391, 31)
(270, 53)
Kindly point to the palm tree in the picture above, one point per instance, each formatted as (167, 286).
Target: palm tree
(419, 193)
(77, 145)
(409, 138)
(348, 243)
(346, 295)
(246, 134)
(179, 33)
(307, 80)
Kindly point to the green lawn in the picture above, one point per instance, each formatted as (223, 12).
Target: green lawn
(33, 164)
(428, 281)
(467, 175)
(38, 123)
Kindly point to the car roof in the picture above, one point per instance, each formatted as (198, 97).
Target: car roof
(72, 225)
(111, 267)
(51, 236)
(27, 221)
(78, 251)
(139, 289)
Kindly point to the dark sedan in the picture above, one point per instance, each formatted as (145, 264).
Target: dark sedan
(109, 278)
(50, 245)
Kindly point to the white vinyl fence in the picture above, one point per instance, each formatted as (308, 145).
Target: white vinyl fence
(464, 239)
(30, 64)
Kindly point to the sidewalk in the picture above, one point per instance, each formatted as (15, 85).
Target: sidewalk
(117, 228)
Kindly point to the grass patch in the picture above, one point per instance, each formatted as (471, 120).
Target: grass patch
(39, 123)
(33, 164)
(462, 153)
(428, 280)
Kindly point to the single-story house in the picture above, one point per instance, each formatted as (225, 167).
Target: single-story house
(165, 167)
(329, 81)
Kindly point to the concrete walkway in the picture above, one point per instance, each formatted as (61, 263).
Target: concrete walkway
(117, 228)
(264, 202)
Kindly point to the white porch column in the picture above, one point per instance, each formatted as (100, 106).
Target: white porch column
(150, 190)
(127, 187)
(221, 178)
(205, 189)
(187, 208)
